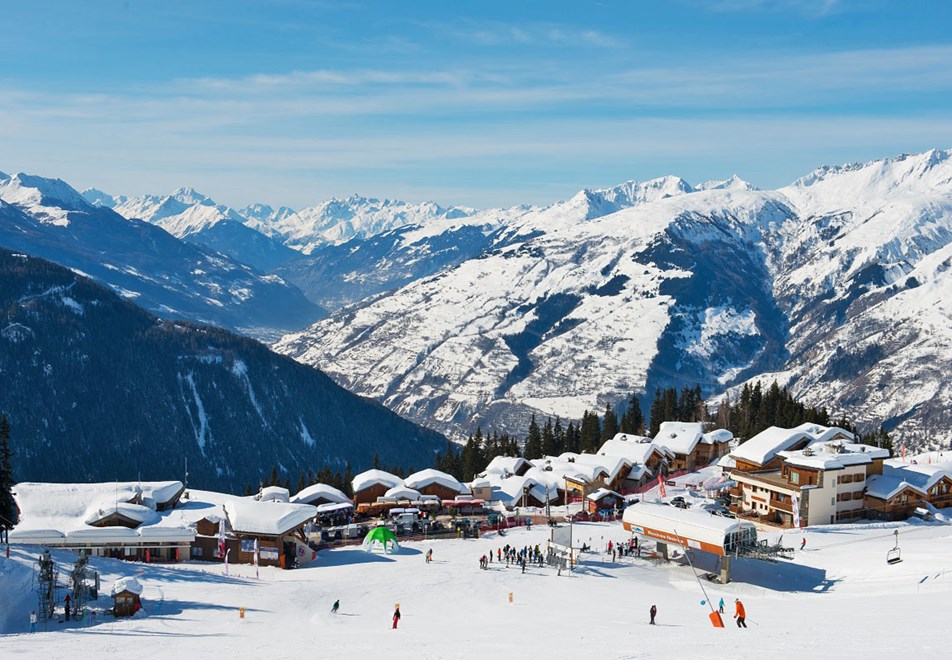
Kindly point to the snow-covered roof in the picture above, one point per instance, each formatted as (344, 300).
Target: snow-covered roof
(506, 465)
(680, 437)
(717, 435)
(424, 478)
(402, 493)
(63, 514)
(898, 476)
(320, 491)
(127, 583)
(247, 516)
(135, 512)
(833, 455)
(764, 446)
(636, 448)
(596, 495)
(509, 490)
(274, 494)
(614, 465)
(370, 478)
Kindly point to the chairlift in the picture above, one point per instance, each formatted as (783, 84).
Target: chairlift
(894, 556)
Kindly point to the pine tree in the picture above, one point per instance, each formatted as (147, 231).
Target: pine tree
(9, 513)
(348, 481)
(376, 461)
(549, 447)
(590, 432)
(559, 433)
(633, 422)
(533, 447)
(609, 423)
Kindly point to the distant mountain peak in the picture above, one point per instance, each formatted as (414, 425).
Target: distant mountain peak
(734, 182)
(188, 195)
(32, 190)
(97, 197)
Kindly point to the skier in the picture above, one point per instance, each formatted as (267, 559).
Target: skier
(739, 613)
(803, 543)
(498, 554)
(720, 605)
(335, 606)
(66, 602)
(653, 611)
(396, 615)
(32, 621)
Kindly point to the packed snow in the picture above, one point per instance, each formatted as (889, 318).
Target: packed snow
(833, 588)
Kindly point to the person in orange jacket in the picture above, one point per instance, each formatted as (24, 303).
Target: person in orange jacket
(739, 613)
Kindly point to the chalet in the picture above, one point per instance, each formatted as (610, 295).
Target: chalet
(319, 494)
(603, 498)
(434, 482)
(819, 483)
(646, 457)
(761, 452)
(902, 487)
(691, 446)
(130, 520)
(125, 594)
(370, 485)
(533, 489)
(277, 527)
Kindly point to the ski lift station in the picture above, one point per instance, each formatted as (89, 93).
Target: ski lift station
(697, 530)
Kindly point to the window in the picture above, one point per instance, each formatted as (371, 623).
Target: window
(859, 477)
(794, 477)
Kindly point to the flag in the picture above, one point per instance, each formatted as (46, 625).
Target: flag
(256, 557)
(661, 491)
(796, 510)
(221, 538)
(903, 452)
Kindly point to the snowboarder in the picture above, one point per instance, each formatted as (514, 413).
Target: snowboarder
(396, 615)
(739, 613)
(32, 621)
(803, 543)
(653, 611)
(429, 555)
(720, 605)
(66, 602)
(335, 606)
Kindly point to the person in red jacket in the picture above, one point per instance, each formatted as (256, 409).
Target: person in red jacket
(739, 613)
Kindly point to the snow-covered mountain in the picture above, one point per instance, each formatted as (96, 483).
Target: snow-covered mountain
(95, 386)
(172, 278)
(337, 221)
(838, 282)
(194, 217)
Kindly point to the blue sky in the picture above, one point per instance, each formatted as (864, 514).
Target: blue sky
(475, 103)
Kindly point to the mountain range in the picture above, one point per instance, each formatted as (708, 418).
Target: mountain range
(142, 262)
(98, 389)
(836, 285)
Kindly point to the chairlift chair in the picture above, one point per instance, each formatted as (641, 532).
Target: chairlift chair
(894, 556)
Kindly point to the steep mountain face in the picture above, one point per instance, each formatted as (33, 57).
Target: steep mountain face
(193, 217)
(864, 275)
(837, 284)
(103, 388)
(565, 311)
(47, 218)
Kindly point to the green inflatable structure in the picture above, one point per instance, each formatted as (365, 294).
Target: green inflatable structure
(383, 536)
